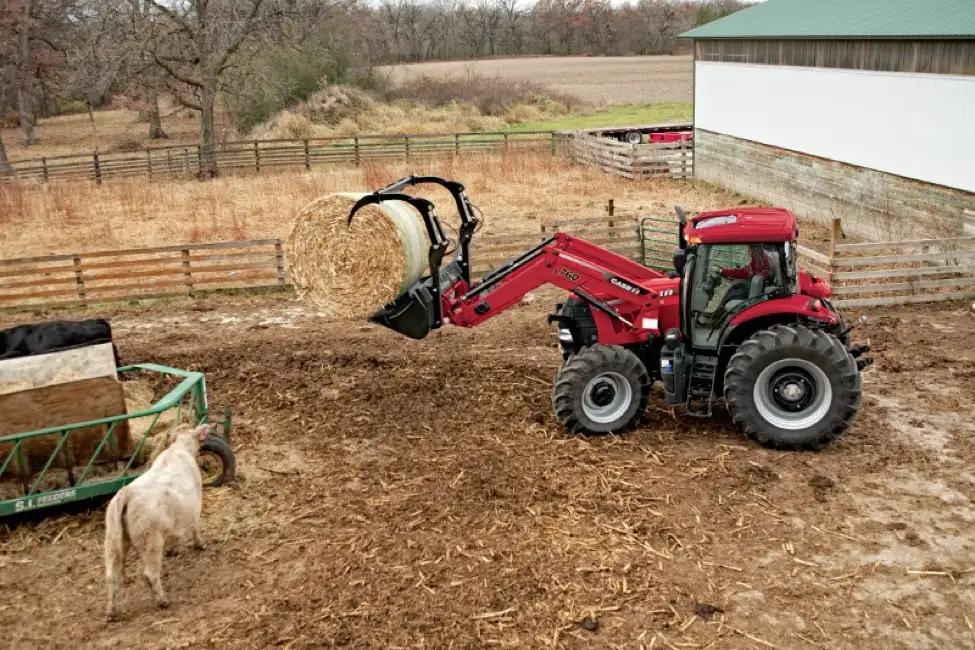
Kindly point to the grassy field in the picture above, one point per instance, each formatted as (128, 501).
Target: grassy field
(622, 115)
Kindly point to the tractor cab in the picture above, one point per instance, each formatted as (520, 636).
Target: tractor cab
(739, 277)
(730, 262)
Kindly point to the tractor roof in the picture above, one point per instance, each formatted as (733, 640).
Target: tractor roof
(743, 226)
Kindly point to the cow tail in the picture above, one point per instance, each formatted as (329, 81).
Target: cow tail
(115, 532)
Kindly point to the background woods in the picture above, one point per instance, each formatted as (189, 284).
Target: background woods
(248, 59)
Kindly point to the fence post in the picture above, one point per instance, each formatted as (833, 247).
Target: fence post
(406, 138)
(457, 144)
(44, 166)
(610, 209)
(643, 243)
(356, 141)
(279, 253)
(505, 141)
(149, 162)
(187, 273)
(307, 157)
(835, 233)
(683, 159)
(257, 157)
(169, 161)
(98, 168)
(79, 280)
(199, 159)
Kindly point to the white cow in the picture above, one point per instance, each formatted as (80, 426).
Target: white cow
(153, 512)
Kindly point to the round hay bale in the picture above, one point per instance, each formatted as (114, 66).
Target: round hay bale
(139, 397)
(350, 271)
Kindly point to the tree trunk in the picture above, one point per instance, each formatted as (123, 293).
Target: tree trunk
(208, 161)
(6, 171)
(27, 136)
(155, 122)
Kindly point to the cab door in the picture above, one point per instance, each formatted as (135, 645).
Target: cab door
(722, 283)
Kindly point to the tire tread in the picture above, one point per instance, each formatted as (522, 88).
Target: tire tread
(839, 364)
(585, 363)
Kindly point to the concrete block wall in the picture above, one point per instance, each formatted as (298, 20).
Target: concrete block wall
(873, 205)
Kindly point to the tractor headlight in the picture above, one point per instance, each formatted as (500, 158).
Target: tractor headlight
(565, 335)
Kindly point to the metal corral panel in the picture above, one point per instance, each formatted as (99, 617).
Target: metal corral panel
(913, 125)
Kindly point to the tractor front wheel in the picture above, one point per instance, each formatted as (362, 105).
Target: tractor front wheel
(601, 389)
(792, 388)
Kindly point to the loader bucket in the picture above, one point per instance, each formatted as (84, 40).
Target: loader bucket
(410, 314)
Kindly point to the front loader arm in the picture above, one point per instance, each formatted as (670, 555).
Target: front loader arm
(609, 283)
(606, 281)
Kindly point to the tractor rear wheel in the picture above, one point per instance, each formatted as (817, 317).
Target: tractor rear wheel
(791, 387)
(601, 389)
(216, 461)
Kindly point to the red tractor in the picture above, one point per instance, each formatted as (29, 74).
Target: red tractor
(734, 319)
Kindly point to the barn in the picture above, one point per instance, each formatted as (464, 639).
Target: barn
(863, 110)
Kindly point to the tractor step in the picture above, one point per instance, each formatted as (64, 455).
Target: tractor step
(700, 389)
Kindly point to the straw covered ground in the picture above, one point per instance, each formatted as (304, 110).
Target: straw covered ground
(396, 493)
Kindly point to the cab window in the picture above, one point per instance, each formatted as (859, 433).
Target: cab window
(728, 278)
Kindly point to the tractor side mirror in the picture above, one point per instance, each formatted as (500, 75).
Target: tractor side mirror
(680, 257)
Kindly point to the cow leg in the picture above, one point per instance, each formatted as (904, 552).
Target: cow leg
(198, 543)
(115, 576)
(152, 555)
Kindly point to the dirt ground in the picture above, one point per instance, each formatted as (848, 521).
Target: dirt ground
(395, 493)
(597, 79)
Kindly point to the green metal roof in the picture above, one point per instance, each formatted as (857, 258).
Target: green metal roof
(845, 19)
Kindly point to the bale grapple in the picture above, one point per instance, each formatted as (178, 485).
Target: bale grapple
(735, 321)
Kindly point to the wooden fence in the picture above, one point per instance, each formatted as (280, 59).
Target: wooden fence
(258, 155)
(668, 160)
(104, 277)
(873, 274)
(83, 279)
(862, 274)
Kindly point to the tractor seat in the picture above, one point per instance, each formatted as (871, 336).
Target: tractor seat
(755, 287)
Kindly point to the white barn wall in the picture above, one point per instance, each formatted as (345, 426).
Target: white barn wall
(913, 125)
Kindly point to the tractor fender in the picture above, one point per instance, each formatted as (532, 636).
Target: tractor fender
(792, 311)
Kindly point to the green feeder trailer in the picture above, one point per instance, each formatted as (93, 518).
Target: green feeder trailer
(187, 399)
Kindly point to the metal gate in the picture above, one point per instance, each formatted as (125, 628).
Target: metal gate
(658, 239)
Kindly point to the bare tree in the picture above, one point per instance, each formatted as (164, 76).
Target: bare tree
(6, 171)
(511, 35)
(24, 107)
(195, 42)
(148, 77)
